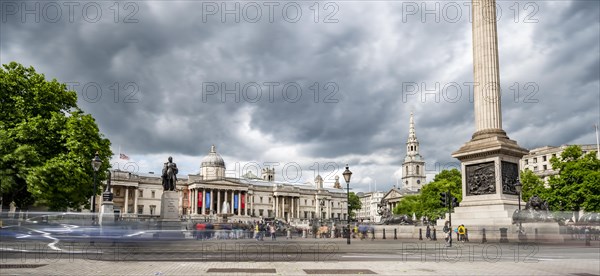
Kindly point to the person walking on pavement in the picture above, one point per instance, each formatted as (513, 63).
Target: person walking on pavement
(461, 233)
(428, 233)
(272, 231)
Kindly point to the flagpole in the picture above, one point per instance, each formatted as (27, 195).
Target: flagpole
(597, 143)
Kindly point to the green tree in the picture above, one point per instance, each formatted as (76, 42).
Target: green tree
(429, 198)
(354, 204)
(576, 187)
(408, 205)
(46, 142)
(532, 185)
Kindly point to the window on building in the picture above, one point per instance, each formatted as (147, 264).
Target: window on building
(270, 200)
(140, 209)
(270, 212)
(305, 202)
(526, 161)
(417, 170)
(117, 191)
(153, 194)
(261, 200)
(545, 167)
(131, 193)
(535, 160)
(140, 193)
(535, 168)
(554, 155)
(544, 158)
(152, 209)
(260, 212)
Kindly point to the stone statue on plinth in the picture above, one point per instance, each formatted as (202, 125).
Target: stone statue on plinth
(169, 175)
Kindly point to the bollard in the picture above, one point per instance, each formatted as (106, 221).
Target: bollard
(434, 238)
(372, 233)
(384, 233)
(420, 234)
(588, 237)
(504, 235)
(483, 239)
(395, 236)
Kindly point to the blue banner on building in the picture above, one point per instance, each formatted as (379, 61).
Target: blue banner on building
(235, 201)
(207, 200)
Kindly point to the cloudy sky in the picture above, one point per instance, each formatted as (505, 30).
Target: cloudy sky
(306, 84)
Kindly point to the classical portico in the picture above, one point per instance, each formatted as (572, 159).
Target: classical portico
(209, 199)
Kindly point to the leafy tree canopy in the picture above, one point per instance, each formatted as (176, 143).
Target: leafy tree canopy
(355, 204)
(46, 142)
(427, 202)
(577, 186)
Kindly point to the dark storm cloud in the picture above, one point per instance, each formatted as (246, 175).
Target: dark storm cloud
(165, 61)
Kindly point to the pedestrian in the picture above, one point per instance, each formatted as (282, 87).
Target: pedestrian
(461, 233)
(272, 231)
(428, 233)
(256, 232)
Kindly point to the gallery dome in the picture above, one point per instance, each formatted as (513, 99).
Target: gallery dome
(213, 159)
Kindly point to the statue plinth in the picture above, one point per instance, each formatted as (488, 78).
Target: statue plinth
(106, 216)
(169, 224)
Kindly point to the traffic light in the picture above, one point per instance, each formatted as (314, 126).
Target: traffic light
(454, 202)
(444, 199)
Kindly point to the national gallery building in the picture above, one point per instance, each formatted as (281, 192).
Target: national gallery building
(210, 193)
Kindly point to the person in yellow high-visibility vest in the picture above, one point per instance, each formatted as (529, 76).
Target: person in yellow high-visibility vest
(461, 233)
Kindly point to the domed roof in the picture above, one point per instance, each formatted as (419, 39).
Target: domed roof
(213, 159)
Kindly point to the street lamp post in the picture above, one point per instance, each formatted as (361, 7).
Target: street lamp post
(96, 162)
(519, 188)
(347, 174)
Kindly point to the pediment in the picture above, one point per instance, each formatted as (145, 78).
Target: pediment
(393, 193)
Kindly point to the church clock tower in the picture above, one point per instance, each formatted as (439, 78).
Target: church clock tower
(413, 168)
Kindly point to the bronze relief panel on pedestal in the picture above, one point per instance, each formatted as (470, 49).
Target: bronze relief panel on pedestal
(481, 179)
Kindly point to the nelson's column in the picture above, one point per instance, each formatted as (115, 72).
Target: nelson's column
(490, 160)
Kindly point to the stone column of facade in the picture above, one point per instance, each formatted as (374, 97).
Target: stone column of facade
(204, 201)
(239, 209)
(135, 201)
(232, 199)
(276, 206)
(285, 200)
(194, 200)
(126, 205)
(245, 195)
(218, 192)
(298, 209)
(293, 209)
(251, 204)
(274, 209)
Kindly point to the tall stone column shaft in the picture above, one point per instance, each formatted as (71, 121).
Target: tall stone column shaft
(486, 66)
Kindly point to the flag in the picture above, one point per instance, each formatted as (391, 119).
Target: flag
(123, 156)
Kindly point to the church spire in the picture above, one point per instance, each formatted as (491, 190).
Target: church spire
(412, 136)
(412, 144)
(413, 171)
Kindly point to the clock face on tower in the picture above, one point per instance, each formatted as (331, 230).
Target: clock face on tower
(418, 181)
